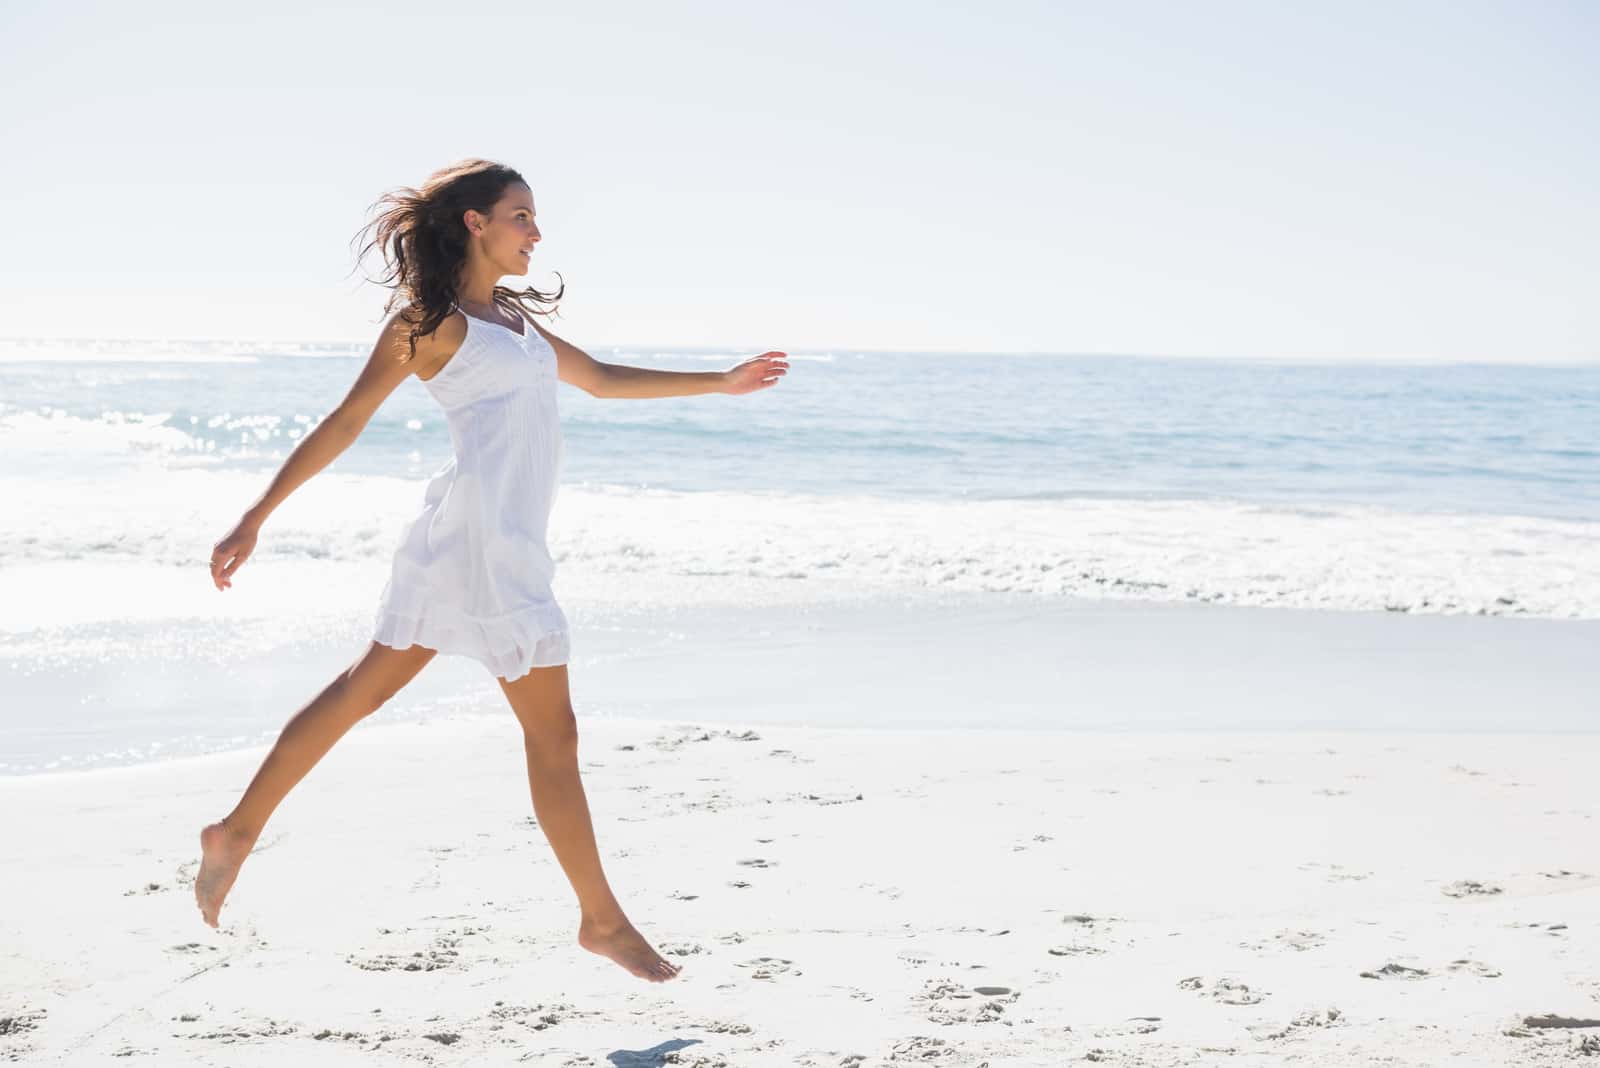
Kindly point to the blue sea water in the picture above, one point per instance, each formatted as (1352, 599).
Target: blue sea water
(1482, 439)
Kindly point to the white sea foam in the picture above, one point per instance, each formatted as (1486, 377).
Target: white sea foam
(1345, 558)
(52, 437)
(735, 547)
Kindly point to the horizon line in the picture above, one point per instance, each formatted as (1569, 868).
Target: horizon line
(1389, 359)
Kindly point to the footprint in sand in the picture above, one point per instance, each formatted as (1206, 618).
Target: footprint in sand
(685, 1059)
(831, 799)
(1136, 1025)
(670, 742)
(1397, 971)
(1336, 873)
(947, 1002)
(1083, 923)
(1309, 1019)
(1228, 991)
(1075, 950)
(769, 967)
(1553, 1020)
(533, 1017)
(681, 949)
(20, 1022)
(922, 1049)
(328, 1034)
(1299, 941)
(723, 1027)
(240, 1032)
(1475, 967)
(1470, 888)
(442, 952)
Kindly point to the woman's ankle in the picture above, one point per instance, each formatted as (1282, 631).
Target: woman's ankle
(238, 829)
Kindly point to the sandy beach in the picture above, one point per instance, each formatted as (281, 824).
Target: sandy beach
(1073, 531)
(836, 897)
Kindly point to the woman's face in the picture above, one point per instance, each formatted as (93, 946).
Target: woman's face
(507, 235)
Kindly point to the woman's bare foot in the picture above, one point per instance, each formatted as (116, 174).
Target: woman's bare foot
(222, 851)
(627, 947)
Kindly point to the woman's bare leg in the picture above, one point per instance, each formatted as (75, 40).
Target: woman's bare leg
(543, 706)
(359, 691)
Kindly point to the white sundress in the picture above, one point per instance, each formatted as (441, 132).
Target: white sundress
(472, 573)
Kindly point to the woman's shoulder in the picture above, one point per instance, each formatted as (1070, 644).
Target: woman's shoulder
(434, 348)
(453, 325)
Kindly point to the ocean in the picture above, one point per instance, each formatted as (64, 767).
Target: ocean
(1420, 489)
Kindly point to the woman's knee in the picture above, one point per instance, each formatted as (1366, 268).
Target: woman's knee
(551, 734)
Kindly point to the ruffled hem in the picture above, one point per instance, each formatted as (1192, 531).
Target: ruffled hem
(509, 646)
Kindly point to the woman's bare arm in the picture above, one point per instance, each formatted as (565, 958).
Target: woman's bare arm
(620, 380)
(382, 373)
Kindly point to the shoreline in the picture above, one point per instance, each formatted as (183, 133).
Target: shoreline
(976, 662)
(469, 724)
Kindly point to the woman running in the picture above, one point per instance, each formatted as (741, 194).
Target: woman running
(472, 573)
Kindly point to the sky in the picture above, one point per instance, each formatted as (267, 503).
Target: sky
(1353, 181)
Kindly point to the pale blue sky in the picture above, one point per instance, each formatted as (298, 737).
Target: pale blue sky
(1349, 180)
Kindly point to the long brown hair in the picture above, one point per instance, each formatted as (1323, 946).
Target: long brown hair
(423, 239)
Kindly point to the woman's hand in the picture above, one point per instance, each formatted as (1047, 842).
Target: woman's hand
(231, 552)
(758, 372)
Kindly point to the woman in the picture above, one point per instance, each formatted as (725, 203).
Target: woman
(472, 573)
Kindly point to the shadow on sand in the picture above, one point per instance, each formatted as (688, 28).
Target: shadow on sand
(654, 1057)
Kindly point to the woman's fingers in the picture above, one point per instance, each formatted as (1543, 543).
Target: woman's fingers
(225, 560)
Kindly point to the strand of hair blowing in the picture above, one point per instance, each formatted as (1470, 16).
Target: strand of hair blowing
(423, 239)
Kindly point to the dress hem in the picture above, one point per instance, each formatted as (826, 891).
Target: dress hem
(509, 653)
